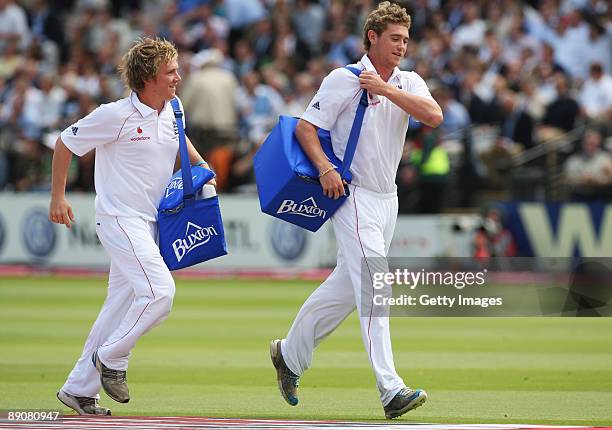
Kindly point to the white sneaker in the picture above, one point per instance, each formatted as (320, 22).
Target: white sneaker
(82, 405)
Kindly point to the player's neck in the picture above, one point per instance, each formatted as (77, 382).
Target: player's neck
(384, 71)
(152, 100)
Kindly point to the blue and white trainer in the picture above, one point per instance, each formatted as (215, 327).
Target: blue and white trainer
(288, 381)
(404, 401)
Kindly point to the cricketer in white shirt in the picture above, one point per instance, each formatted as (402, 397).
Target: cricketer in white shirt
(135, 152)
(381, 141)
(364, 224)
(136, 144)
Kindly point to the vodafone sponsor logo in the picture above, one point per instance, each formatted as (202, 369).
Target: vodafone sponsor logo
(139, 137)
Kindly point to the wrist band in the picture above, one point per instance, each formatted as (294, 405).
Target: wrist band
(199, 163)
(329, 169)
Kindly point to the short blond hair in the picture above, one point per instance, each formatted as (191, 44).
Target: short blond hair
(386, 13)
(141, 62)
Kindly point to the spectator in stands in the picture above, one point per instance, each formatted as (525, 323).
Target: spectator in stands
(309, 23)
(13, 23)
(437, 52)
(240, 14)
(209, 95)
(43, 105)
(107, 30)
(47, 27)
(518, 41)
(11, 111)
(456, 117)
(262, 40)
(492, 239)
(598, 49)
(345, 48)
(596, 95)
(491, 53)
(540, 23)
(432, 167)
(203, 27)
(245, 58)
(498, 162)
(188, 6)
(259, 106)
(302, 92)
(590, 168)
(287, 46)
(534, 101)
(478, 109)
(472, 31)
(517, 124)
(11, 59)
(274, 77)
(562, 113)
(569, 41)
(26, 166)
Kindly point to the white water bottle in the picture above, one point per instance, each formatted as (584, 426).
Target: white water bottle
(206, 192)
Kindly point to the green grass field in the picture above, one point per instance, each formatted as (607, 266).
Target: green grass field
(211, 358)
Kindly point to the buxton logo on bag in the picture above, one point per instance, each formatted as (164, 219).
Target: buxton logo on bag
(309, 210)
(194, 236)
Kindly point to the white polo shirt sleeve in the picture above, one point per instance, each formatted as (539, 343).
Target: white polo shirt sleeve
(100, 127)
(416, 85)
(335, 92)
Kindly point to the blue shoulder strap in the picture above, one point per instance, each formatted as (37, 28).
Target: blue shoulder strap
(185, 165)
(351, 146)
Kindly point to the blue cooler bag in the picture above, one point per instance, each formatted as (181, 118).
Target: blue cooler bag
(287, 182)
(190, 229)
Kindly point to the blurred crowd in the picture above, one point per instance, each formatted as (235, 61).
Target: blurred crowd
(525, 86)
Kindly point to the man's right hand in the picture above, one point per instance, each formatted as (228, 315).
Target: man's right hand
(333, 186)
(60, 211)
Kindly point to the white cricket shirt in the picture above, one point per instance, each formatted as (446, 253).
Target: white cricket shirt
(381, 142)
(135, 153)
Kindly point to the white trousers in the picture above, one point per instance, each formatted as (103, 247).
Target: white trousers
(364, 227)
(139, 297)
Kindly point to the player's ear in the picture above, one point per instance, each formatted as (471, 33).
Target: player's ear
(372, 36)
